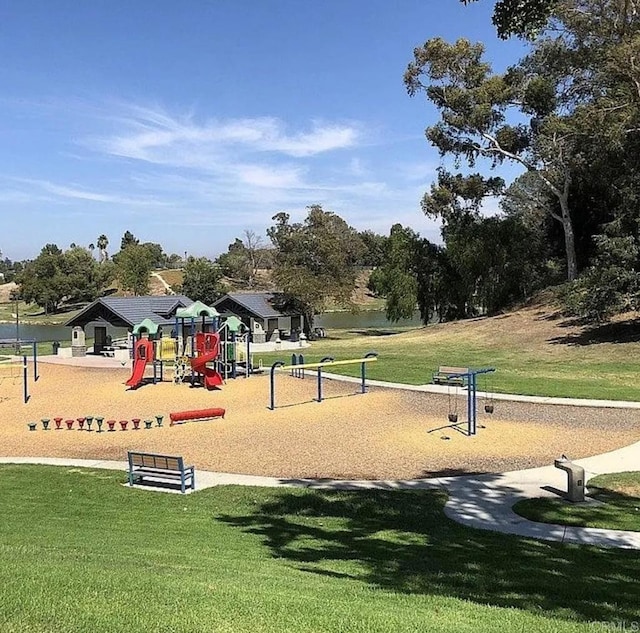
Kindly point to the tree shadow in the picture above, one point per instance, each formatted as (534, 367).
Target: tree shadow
(624, 332)
(399, 540)
(374, 332)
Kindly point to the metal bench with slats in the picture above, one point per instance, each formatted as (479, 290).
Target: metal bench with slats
(161, 468)
(451, 376)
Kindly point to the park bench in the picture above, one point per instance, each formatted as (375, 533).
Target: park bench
(451, 376)
(160, 467)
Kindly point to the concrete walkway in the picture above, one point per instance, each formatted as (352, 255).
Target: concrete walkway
(478, 501)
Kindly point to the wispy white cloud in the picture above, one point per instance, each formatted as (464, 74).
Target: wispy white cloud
(64, 191)
(155, 136)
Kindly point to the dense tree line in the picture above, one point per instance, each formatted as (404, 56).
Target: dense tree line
(567, 113)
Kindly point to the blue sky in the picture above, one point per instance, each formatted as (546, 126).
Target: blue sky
(189, 122)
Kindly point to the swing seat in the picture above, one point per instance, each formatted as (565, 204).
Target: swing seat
(451, 376)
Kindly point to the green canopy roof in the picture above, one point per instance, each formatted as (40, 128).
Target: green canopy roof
(146, 326)
(197, 309)
(234, 323)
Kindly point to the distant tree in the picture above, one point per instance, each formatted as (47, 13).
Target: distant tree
(373, 251)
(102, 243)
(55, 277)
(243, 259)
(174, 260)
(409, 276)
(158, 257)
(85, 278)
(315, 260)
(202, 280)
(133, 266)
(128, 239)
(474, 106)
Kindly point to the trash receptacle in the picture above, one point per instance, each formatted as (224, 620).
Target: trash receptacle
(575, 476)
(56, 346)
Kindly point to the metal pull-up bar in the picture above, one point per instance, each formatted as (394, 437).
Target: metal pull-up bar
(328, 361)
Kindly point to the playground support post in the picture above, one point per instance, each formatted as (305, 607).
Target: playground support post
(25, 379)
(472, 400)
(35, 361)
(326, 359)
(272, 381)
(363, 371)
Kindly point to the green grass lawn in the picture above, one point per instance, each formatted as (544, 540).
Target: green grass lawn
(617, 507)
(599, 371)
(31, 314)
(79, 552)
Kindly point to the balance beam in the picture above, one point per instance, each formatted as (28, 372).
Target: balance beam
(327, 362)
(330, 363)
(198, 414)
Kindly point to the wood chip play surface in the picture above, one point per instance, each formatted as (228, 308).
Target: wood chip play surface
(381, 434)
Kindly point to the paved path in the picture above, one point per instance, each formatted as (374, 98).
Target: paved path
(479, 501)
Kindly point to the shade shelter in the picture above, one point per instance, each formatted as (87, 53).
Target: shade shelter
(126, 313)
(262, 313)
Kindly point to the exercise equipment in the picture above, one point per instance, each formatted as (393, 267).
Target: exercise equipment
(328, 361)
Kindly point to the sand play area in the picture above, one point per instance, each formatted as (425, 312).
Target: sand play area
(382, 434)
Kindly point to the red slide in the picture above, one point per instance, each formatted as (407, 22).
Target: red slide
(207, 345)
(212, 378)
(143, 353)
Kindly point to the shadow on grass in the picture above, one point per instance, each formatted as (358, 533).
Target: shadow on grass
(626, 332)
(603, 508)
(373, 332)
(399, 540)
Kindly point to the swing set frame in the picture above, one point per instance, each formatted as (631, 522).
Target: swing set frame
(471, 377)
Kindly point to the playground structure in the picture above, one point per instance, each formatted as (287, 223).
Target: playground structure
(298, 367)
(470, 379)
(10, 369)
(203, 348)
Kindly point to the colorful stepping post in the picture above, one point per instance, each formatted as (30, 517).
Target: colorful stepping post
(32, 426)
(45, 423)
(123, 424)
(99, 422)
(89, 420)
(81, 423)
(147, 424)
(69, 424)
(111, 424)
(136, 423)
(58, 422)
(159, 419)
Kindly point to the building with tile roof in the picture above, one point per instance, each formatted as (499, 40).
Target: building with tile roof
(127, 312)
(259, 311)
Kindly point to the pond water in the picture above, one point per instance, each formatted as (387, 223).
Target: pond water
(47, 332)
(330, 320)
